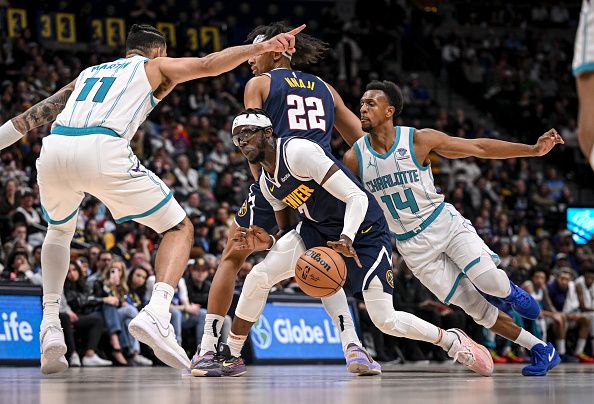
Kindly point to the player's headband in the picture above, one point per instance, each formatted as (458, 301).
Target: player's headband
(258, 120)
(262, 38)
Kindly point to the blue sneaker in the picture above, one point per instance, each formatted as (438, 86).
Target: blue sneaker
(544, 358)
(360, 362)
(523, 303)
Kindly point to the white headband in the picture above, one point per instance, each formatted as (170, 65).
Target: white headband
(261, 121)
(262, 38)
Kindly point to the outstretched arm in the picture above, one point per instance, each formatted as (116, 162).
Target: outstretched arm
(43, 112)
(179, 70)
(455, 147)
(351, 160)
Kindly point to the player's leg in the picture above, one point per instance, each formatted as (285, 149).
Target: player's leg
(132, 192)
(466, 296)
(60, 207)
(470, 253)
(376, 284)
(583, 69)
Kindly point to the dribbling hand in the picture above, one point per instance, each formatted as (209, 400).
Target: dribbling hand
(344, 246)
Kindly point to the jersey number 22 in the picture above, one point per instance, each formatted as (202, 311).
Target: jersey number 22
(308, 113)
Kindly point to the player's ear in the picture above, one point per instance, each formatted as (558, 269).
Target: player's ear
(268, 132)
(390, 111)
(276, 56)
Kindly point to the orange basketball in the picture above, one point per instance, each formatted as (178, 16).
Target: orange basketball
(320, 272)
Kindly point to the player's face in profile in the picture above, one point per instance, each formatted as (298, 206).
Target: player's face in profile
(373, 108)
(262, 63)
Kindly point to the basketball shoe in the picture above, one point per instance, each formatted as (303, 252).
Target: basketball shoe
(210, 365)
(360, 362)
(53, 349)
(544, 358)
(472, 355)
(522, 302)
(155, 331)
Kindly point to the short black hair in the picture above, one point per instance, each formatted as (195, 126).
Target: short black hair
(143, 38)
(392, 92)
(308, 49)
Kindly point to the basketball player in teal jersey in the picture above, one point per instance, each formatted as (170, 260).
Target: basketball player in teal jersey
(440, 246)
(583, 70)
(88, 150)
(299, 104)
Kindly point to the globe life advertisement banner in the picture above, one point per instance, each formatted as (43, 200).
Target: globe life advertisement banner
(20, 318)
(296, 331)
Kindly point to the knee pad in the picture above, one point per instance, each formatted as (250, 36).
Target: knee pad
(255, 281)
(59, 235)
(489, 279)
(477, 307)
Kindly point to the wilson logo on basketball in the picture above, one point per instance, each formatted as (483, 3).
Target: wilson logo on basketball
(317, 257)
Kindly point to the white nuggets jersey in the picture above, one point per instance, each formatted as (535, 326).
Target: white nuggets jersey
(402, 186)
(112, 98)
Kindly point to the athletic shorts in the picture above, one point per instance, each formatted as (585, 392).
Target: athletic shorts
(256, 210)
(583, 52)
(374, 249)
(104, 166)
(443, 253)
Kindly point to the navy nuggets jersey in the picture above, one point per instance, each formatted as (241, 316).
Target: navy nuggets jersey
(300, 104)
(311, 200)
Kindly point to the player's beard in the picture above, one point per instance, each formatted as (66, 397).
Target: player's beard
(261, 155)
(366, 126)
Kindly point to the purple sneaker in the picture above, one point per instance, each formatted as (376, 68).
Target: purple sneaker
(234, 366)
(360, 362)
(207, 365)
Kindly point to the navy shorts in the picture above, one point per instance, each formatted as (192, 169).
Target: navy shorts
(256, 210)
(374, 248)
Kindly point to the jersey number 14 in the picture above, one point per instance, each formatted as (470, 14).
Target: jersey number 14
(394, 202)
(307, 113)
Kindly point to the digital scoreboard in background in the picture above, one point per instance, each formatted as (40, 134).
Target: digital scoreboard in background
(296, 331)
(580, 221)
(20, 318)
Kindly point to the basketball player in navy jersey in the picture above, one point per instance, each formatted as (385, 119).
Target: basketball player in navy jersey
(299, 104)
(440, 246)
(300, 176)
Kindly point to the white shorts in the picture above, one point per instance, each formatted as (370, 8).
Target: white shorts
(105, 167)
(443, 253)
(583, 52)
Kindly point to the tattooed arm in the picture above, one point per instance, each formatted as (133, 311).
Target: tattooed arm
(44, 111)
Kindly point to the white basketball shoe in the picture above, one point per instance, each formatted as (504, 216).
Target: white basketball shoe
(53, 349)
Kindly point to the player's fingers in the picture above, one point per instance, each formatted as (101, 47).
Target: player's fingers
(356, 258)
(297, 30)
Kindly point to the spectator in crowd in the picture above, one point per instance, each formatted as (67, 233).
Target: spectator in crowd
(81, 319)
(564, 297)
(584, 287)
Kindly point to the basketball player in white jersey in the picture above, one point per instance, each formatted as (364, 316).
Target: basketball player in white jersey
(441, 247)
(583, 70)
(88, 150)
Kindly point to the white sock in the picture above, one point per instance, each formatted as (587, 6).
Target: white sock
(51, 309)
(560, 346)
(338, 309)
(527, 340)
(580, 346)
(212, 331)
(161, 298)
(235, 343)
(446, 339)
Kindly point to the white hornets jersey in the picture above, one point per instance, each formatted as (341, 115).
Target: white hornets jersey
(113, 98)
(403, 187)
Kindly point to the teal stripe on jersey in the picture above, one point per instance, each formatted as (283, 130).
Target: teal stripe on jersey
(136, 113)
(90, 130)
(360, 160)
(122, 92)
(76, 101)
(411, 146)
(52, 221)
(384, 191)
(389, 152)
(454, 287)
(148, 212)
(423, 226)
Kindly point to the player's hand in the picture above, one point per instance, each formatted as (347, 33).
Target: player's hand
(253, 239)
(344, 246)
(284, 42)
(547, 141)
(72, 316)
